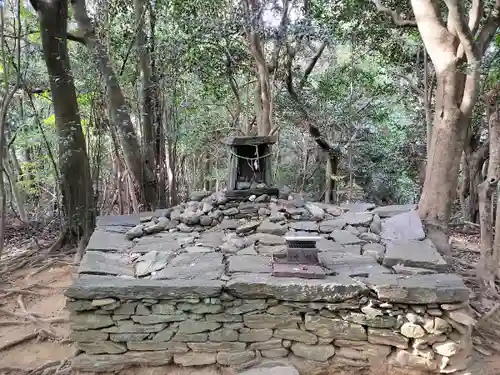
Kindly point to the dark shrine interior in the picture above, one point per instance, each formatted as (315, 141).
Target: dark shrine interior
(251, 170)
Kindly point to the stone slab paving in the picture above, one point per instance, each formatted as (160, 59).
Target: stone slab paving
(194, 282)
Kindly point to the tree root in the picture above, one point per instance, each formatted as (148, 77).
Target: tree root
(19, 340)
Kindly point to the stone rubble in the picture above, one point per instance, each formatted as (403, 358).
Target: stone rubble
(193, 285)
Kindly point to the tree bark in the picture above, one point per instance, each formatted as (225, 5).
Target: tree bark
(147, 89)
(76, 182)
(488, 266)
(140, 171)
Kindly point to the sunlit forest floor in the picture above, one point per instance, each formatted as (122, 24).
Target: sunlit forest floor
(33, 320)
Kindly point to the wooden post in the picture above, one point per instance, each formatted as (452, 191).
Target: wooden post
(233, 169)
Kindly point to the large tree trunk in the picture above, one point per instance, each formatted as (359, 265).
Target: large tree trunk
(141, 172)
(76, 182)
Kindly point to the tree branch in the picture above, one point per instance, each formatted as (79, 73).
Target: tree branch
(311, 65)
(394, 15)
(489, 29)
(76, 38)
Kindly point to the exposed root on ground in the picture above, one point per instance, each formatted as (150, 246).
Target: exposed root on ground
(48, 368)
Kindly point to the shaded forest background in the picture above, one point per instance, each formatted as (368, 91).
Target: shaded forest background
(116, 107)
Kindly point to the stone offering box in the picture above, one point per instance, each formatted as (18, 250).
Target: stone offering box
(250, 170)
(193, 285)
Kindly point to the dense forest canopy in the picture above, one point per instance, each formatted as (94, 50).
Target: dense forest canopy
(119, 107)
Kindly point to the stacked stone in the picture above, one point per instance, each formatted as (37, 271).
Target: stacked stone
(202, 292)
(232, 331)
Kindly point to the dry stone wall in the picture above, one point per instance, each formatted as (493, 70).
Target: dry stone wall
(193, 285)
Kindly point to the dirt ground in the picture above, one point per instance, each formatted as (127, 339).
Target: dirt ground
(41, 301)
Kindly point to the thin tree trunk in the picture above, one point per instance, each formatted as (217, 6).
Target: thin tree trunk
(488, 266)
(141, 172)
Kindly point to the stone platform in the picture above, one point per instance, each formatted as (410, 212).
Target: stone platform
(192, 285)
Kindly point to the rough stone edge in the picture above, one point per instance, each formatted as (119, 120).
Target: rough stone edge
(119, 362)
(91, 287)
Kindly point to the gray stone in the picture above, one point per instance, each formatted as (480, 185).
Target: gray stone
(369, 237)
(198, 195)
(164, 335)
(211, 347)
(102, 347)
(131, 327)
(403, 270)
(88, 336)
(84, 321)
(270, 250)
(250, 250)
(117, 220)
(357, 207)
(343, 237)
(108, 241)
(375, 250)
(280, 309)
(249, 263)
(320, 353)
(274, 370)
(126, 308)
(254, 335)
(413, 254)
(135, 232)
(387, 337)
(274, 353)
(154, 319)
(248, 306)
(357, 218)
(266, 239)
(412, 330)
(230, 224)
(223, 334)
(79, 305)
(196, 326)
(266, 345)
(404, 358)
(419, 289)
(330, 289)
(334, 328)
(254, 320)
(211, 239)
(224, 318)
(163, 308)
(168, 243)
(461, 316)
(125, 337)
(351, 265)
(194, 359)
(234, 359)
(393, 210)
(200, 308)
(206, 221)
(191, 266)
(376, 225)
(294, 334)
(329, 226)
(403, 227)
(307, 226)
(118, 362)
(364, 351)
(152, 262)
(317, 213)
(272, 228)
(173, 347)
(247, 227)
(384, 321)
(191, 337)
(102, 263)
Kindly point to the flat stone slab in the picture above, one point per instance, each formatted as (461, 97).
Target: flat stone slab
(357, 207)
(393, 210)
(118, 220)
(357, 218)
(191, 266)
(330, 289)
(351, 265)
(403, 227)
(118, 362)
(161, 242)
(249, 264)
(344, 237)
(419, 289)
(102, 263)
(274, 370)
(421, 254)
(102, 240)
(96, 287)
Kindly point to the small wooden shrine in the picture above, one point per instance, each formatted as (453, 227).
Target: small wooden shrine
(250, 170)
(300, 259)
